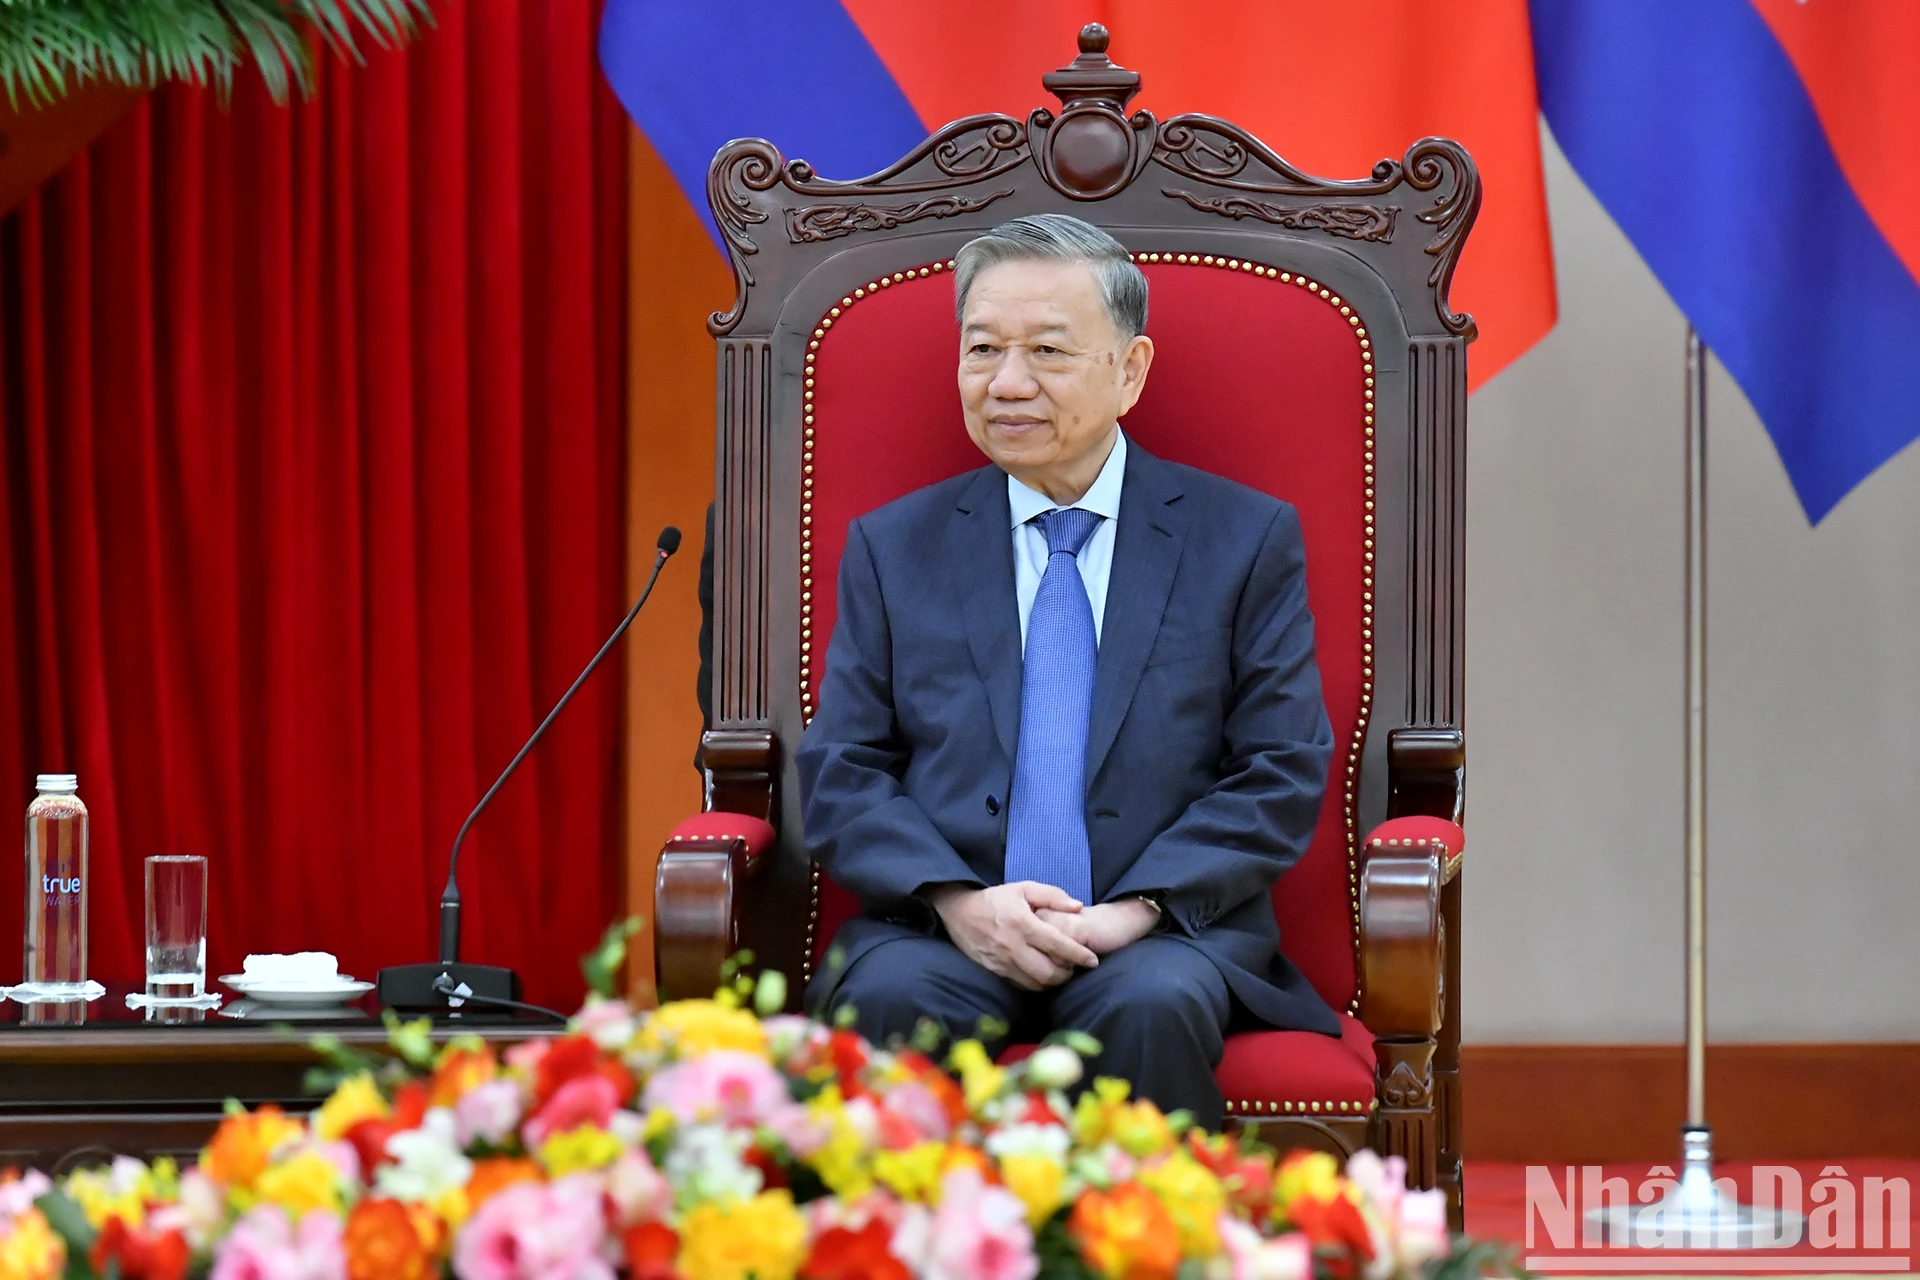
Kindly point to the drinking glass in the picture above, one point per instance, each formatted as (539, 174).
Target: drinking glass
(176, 927)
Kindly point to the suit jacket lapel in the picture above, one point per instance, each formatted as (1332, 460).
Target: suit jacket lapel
(1146, 552)
(980, 546)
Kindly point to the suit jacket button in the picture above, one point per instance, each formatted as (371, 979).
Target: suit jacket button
(993, 806)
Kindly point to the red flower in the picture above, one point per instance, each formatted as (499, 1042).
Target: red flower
(140, 1254)
(1247, 1176)
(848, 1053)
(866, 1254)
(1336, 1230)
(652, 1248)
(1038, 1112)
(369, 1136)
(570, 1058)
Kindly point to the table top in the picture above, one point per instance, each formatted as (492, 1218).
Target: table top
(69, 1029)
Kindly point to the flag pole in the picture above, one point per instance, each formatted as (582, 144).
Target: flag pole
(1696, 1213)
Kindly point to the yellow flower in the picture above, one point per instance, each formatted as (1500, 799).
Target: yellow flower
(764, 1238)
(588, 1147)
(844, 1161)
(31, 1251)
(115, 1191)
(1140, 1129)
(660, 1121)
(1039, 1181)
(1094, 1111)
(1194, 1199)
(687, 1028)
(979, 1078)
(913, 1174)
(302, 1184)
(1312, 1174)
(358, 1098)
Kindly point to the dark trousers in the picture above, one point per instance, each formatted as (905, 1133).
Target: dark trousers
(1158, 1008)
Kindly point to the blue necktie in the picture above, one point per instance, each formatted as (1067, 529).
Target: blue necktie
(1047, 813)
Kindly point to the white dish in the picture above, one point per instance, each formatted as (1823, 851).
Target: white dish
(297, 995)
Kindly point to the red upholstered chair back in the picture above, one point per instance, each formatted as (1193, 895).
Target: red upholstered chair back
(1256, 378)
(1304, 347)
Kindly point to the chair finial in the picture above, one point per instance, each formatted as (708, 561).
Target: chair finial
(1093, 75)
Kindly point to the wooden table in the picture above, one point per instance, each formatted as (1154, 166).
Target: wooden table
(80, 1084)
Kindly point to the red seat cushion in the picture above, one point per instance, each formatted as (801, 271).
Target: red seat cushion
(1290, 1072)
(1419, 829)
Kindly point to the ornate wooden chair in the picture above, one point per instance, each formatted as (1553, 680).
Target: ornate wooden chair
(1305, 347)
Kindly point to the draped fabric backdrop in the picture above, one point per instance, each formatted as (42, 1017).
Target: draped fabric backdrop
(310, 499)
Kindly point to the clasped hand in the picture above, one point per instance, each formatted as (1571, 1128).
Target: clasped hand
(1034, 935)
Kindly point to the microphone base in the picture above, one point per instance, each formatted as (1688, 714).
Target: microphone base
(411, 986)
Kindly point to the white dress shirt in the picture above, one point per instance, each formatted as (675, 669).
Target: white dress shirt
(1096, 556)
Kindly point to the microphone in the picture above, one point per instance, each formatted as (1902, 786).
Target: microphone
(439, 985)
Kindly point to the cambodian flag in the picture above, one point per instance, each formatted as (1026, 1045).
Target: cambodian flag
(853, 85)
(1764, 157)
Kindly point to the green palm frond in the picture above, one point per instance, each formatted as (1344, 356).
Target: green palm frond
(49, 46)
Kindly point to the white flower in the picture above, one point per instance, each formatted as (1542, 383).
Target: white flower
(1049, 1140)
(1054, 1066)
(608, 1023)
(1421, 1234)
(705, 1164)
(17, 1197)
(427, 1161)
(638, 1192)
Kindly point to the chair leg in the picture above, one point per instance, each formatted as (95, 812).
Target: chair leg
(1406, 1124)
(1451, 1176)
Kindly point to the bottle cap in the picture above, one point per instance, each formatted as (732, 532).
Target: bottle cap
(58, 784)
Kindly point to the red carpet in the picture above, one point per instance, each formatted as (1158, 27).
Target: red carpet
(1854, 1225)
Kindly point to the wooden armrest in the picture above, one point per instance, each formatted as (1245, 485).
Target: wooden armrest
(1402, 939)
(696, 898)
(1426, 772)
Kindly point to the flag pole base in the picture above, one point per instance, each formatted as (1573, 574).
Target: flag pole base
(1698, 1213)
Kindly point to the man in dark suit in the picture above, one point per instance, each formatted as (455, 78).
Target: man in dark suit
(1071, 729)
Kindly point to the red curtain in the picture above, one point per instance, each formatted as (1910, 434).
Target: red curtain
(310, 499)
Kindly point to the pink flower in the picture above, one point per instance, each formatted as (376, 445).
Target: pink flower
(263, 1246)
(978, 1233)
(724, 1086)
(17, 1197)
(796, 1127)
(916, 1104)
(640, 1193)
(580, 1101)
(1421, 1233)
(1253, 1257)
(525, 1056)
(488, 1113)
(535, 1231)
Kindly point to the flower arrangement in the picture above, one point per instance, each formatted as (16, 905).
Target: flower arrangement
(704, 1142)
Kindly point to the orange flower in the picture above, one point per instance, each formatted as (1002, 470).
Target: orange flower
(459, 1072)
(383, 1243)
(1126, 1234)
(495, 1174)
(651, 1248)
(140, 1255)
(866, 1254)
(238, 1152)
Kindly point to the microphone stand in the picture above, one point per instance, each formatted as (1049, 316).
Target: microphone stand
(448, 983)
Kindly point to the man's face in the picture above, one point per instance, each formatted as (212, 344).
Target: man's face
(1044, 375)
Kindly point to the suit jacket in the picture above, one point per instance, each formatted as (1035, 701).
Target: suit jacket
(1207, 751)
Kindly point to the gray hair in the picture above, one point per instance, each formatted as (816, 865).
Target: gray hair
(1059, 237)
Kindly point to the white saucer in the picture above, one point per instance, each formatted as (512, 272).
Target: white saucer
(297, 995)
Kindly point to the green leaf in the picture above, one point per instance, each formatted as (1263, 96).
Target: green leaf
(49, 46)
(604, 967)
(770, 993)
(413, 1041)
(1078, 1041)
(1059, 1256)
(68, 1221)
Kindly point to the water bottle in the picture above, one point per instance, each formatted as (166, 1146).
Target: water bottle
(56, 951)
